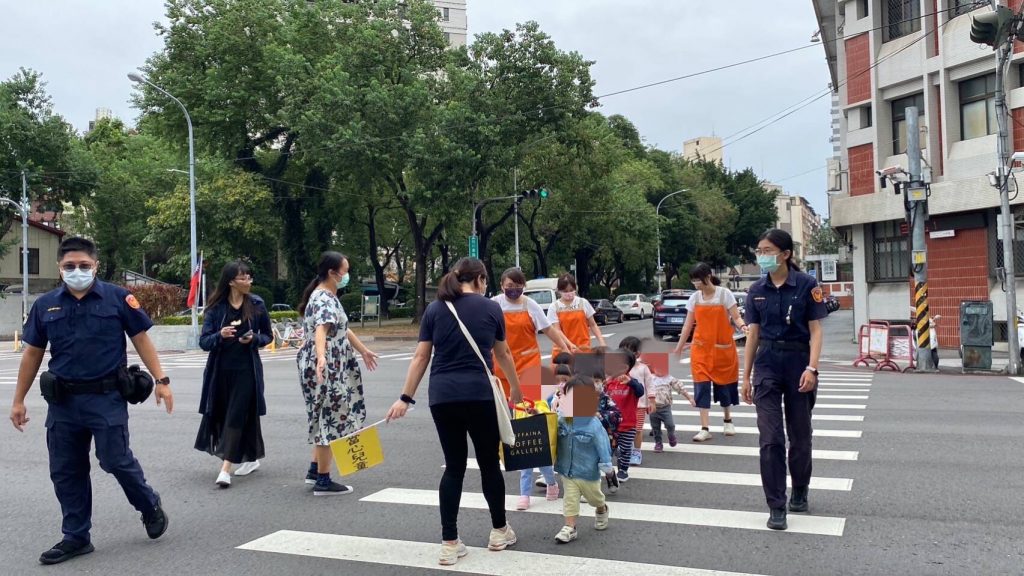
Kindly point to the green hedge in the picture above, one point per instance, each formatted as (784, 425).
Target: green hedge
(407, 312)
(284, 315)
(178, 320)
(352, 302)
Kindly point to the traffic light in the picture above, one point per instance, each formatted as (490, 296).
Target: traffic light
(539, 193)
(991, 28)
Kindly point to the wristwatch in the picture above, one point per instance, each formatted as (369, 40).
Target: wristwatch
(407, 399)
(166, 381)
(812, 370)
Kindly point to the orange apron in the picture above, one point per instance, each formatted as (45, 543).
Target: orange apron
(521, 336)
(714, 357)
(573, 324)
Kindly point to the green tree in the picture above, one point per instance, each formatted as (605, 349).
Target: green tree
(825, 240)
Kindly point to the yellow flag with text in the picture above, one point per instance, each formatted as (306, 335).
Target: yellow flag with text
(358, 451)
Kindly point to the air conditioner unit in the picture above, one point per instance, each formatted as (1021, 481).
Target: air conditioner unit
(835, 171)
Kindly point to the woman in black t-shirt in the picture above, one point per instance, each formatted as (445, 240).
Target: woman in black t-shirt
(235, 326)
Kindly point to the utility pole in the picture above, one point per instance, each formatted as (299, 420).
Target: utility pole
(515, 210)
(1003, 54)
(916, 191)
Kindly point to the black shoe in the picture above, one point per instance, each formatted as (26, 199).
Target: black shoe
(65, 550)
(777, 519)
(798, 501)
(155, 522)
(311, 477)
(330, 489)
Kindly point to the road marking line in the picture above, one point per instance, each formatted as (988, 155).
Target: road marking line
(753, 451)
(819, 417)
(798, 524)
(423, 555)
(753, 430)
(841, 397)
(712, 477)
(817, 405)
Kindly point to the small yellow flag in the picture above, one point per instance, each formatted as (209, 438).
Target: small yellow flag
(358, 451)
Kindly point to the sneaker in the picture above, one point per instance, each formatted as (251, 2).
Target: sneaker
(523, 504)
(311, 477)
(65, 550)
(635, 458)
(613, 483)
(729, 429)
(672, 440)
(658, 448)
(601, 519)
(552, 492)
(702, 436)
(777, 519)
(566, 534)
(501, 539)
(541, 483)
(224, 479)
(798, 500)
(247, 468)
(450, 553)
(156, 521)
(330, 488)
(622, 476)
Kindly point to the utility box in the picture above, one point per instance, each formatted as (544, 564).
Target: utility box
(976, 334)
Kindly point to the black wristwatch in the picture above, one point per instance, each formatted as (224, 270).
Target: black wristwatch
(166, 381)
(407, 399)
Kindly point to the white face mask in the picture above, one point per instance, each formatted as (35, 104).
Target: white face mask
(79, 280)
(569, 296)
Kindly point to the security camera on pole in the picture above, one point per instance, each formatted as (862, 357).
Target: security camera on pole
(999, 29)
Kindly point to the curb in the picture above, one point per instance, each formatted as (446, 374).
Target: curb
(371, 339)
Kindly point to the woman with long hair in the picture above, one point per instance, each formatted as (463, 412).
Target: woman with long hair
(235, 326)
(461, 396)
(712, 312)
(332, 383)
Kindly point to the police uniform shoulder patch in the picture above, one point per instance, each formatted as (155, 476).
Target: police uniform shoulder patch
(132, 301)
(817, 295)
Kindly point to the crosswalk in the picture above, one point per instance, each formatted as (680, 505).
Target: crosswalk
(727, 462)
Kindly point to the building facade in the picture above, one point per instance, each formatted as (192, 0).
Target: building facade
(704, 148)
(885, 56)
(43, 244)
(454, 21)
(797, 216)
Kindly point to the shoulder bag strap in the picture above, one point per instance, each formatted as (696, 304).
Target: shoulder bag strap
(469, 338)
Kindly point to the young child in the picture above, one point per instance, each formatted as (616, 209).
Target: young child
(663, 384)
(626, 393)
(642, 373)
(583, 454)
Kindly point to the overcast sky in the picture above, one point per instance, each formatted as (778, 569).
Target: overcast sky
(84, 49)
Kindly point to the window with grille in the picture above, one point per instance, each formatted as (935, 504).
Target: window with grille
(978, 107)
(899, 122)
(890, 252)
(965, 6)
(33, 261)
(446, 14)
(862, 8)
(901, 17)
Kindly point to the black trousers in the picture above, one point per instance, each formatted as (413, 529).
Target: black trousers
(454, 421)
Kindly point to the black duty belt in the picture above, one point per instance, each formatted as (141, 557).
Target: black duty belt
(786, 345)
(101, 386)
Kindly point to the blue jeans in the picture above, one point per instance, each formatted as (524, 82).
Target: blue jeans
(526, 479)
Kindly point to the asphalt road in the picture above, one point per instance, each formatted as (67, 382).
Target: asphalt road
(916, 475)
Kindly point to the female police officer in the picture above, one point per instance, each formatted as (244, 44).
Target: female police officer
(85, 321)
(784, 310)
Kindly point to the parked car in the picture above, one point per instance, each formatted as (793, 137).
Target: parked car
(281, 308)
(635, 305)
(670, 315)
(605, 312)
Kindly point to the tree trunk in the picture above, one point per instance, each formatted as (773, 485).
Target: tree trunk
(314, 187)
(378, 267)
(583, 274)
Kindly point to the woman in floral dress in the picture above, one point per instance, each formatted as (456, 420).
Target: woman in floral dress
(332, 383)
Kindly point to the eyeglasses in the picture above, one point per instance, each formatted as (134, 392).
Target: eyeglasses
(71, 267)
(760, 252)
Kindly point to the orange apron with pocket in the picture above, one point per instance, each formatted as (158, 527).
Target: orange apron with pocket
(521, 336)
(714, 357)
(573, 324)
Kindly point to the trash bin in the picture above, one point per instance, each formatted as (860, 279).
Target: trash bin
(976, 334)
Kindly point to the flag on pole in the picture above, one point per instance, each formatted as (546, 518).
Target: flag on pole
(358, 451)
(193, 288)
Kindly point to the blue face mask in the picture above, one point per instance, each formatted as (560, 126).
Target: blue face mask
(768, 264)
(344, 281)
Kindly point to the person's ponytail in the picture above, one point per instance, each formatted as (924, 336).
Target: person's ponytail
(465, 271)
(306, 294)
(783, 241)
(328, 261)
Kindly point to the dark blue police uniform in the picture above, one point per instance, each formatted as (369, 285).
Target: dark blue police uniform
(783, 354)
(87, 345)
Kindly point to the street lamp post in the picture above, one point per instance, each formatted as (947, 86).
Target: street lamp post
(23, 207)
(657, 223)
(138, 78)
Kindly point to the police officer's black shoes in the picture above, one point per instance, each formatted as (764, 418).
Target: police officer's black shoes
(65, 550)
(155, 522)
(777, 519)
(798, 501)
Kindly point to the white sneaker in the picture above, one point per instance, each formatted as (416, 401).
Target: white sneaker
(566, 534)
(224, 479)
(499, 540)
(702, 436)
(729, 429)
(450, 553)
(601, 519)
(247, 468)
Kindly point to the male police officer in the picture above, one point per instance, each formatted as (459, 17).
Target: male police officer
(85, 321)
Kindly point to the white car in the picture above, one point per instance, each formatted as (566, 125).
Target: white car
(636, 305)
